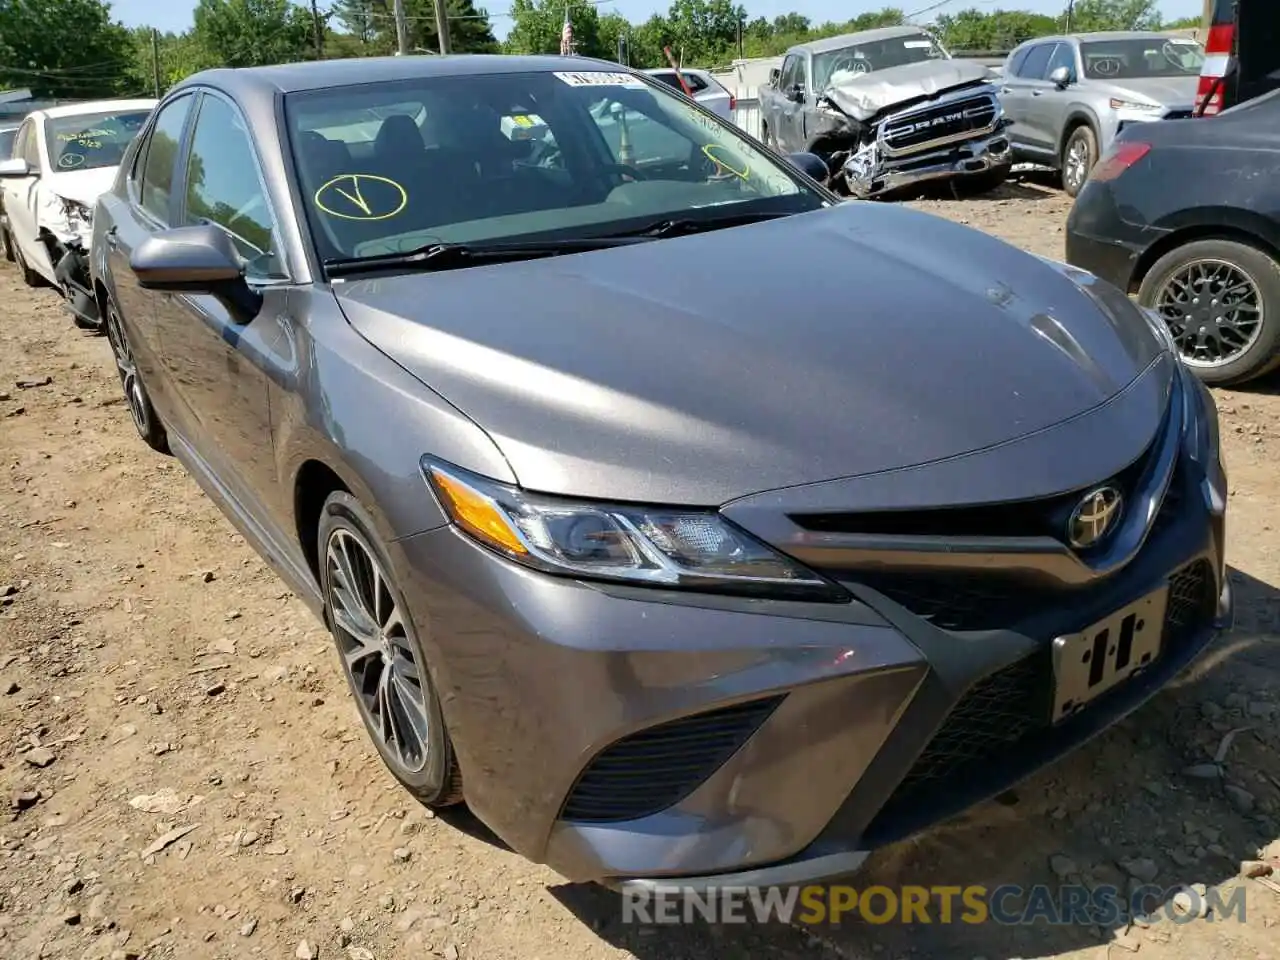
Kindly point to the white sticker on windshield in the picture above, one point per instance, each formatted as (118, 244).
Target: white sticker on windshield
(917, 44)
(600, 79)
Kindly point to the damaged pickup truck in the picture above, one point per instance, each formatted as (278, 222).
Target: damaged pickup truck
(63, 159)
(887, 110)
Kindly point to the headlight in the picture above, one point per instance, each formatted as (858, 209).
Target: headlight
(1117, 104)
(77, 213)
(657, 546)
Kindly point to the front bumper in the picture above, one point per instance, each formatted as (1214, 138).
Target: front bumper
(887, 175)
(71, 270)
(632, 736)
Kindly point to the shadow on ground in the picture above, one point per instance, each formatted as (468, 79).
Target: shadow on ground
(1139, 800)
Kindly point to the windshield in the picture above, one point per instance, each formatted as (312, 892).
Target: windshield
(6, 142)
(389, 168)
(869, 57)
(1135, 59)
(91, 140)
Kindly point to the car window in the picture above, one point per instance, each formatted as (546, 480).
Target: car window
(1064, 55)
(29, 146)
(157, 159)
(531, 154)
(90, 141)
(790, 75)
(1146, 57)
(1019, 57)
(875, 55)
(695, 82)
(1036, 65)
(224, 186)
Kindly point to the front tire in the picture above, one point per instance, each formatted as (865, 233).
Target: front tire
(381, 655)
(145, 419)
(6, 244)
(29, 276)
(1078, 157)
(1221, 301)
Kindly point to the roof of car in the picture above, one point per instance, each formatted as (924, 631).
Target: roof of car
(95, 106)
(864, 36)
(1104, 35)
(314, 74)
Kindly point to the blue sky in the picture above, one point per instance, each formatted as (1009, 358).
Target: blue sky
(176, 14)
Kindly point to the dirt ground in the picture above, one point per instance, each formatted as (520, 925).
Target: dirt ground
(184, 775)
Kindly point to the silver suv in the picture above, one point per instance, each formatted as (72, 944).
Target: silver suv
(1069, 96)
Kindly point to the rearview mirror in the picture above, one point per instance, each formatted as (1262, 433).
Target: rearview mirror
(200, 259)
(811, 164)
(1060, 77)
(774, 74)
(796, 92)
(15, 167)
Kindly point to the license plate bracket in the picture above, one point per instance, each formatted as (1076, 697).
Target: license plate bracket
(1088, 664)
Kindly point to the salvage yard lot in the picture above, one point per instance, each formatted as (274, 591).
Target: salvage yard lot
(154, 675)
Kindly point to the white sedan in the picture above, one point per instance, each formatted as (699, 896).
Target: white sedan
(63, 158)
(705, 88)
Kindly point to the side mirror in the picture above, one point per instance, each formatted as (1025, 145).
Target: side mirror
(15, 167)
(796, 92)
(200, 259)
(774, 74)
(810, 164)
(1061, 77)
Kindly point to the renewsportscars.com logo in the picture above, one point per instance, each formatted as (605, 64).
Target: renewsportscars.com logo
(1070, 904)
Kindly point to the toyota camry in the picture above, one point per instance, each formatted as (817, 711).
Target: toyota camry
(730, 581)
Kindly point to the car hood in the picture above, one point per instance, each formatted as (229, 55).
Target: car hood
(864, 95)
(1167, 91)
(83, 186)
(851, 340)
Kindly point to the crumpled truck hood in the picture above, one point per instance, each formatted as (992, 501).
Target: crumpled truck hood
(859, 338)
(863, 95)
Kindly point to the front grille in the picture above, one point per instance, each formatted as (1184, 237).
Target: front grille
(938, 123)
(656, 768)
(1005, 715)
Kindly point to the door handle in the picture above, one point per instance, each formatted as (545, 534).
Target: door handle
(1036, 93)
(112, 236)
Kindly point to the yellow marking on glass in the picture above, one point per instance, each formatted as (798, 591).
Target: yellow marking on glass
(351, 188)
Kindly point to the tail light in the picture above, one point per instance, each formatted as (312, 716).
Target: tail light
(1118, 159)
(1217, 63)
(733, 103)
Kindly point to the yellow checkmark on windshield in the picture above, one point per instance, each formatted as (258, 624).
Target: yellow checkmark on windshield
(361, 196)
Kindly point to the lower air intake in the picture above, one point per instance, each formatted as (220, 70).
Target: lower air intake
(656, 768)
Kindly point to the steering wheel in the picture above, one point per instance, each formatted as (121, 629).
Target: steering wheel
(625, 169)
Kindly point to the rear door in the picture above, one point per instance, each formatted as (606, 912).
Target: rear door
(1032, 124)
(147, 209)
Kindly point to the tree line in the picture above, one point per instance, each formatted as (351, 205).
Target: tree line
(75, 49)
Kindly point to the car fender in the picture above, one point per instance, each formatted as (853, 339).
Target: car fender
(1202, 222)
(1075, 113)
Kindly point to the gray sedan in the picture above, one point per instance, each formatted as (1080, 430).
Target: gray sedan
(666, 577)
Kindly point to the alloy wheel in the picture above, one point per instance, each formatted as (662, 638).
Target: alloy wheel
(377, 651)
(127, 367)
(1077, 166)
(1213, 309)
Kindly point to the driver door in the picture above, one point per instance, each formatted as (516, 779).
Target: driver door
(790, 132)
(22, 200)
(220, 362)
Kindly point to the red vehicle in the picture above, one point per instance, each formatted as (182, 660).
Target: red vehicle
(1242, 53)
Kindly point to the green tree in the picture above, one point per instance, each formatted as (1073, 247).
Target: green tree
(791, 23)
(1090, 15)
(469, 28)
(538, 24)
(251, 33)
(974, 29)
(705, 31)
(610, 28)
(1185, 23)
(180, 55)
(65, 48)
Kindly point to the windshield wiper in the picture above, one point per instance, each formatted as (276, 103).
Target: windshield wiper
(447, 256)
(680, 226)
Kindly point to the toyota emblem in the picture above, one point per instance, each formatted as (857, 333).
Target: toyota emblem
(1095, 516)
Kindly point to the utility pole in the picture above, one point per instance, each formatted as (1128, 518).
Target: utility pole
(1071, 4)
(315, 20)
(155, 59)
(402, 29)
(739, 38)
(442, 25)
